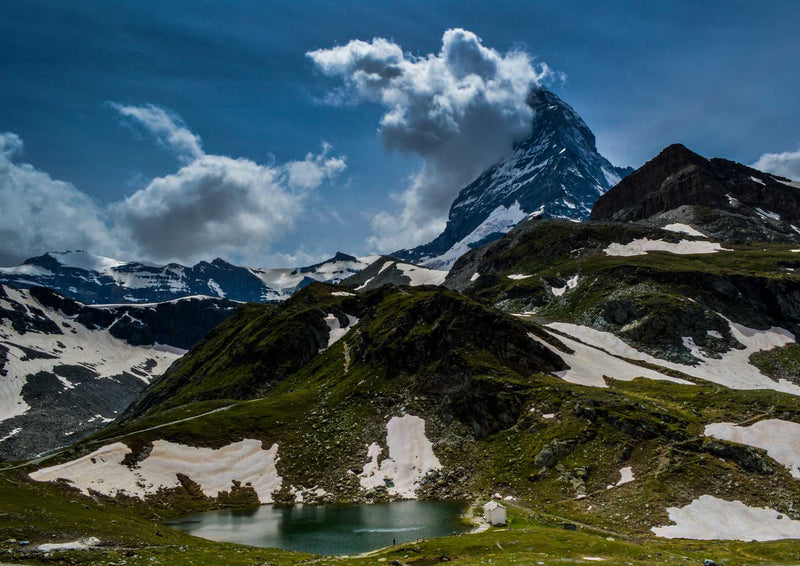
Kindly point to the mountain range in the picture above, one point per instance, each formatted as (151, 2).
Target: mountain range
(94, 279)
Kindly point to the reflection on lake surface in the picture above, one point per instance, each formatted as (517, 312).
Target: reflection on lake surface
(327, 529)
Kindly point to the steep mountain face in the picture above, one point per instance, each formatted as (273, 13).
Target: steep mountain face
(556, 172)
(93, 279)
(723, 199)
(67, 369)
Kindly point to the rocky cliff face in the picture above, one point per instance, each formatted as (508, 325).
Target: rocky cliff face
(556, 172)
(722, 198)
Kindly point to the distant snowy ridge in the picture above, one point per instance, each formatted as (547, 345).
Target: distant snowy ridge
(94, 279)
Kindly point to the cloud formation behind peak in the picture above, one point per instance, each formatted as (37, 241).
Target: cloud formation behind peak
(460, 109)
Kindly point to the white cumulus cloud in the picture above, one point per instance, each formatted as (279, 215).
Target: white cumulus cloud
(786, 164)
(40, 213)
(167, 127)
(215, 205)
(460, 109)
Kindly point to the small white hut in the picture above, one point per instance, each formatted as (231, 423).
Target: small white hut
(494, 513)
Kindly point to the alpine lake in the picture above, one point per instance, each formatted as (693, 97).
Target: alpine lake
(328, 529)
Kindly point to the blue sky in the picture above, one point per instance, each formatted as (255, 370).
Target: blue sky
(720, 77)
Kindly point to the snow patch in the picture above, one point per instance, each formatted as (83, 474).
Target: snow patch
(757, 180)
(95, 350)
(788, 183)
(169, 349)
(685, 229)
(474, 277)
(626, 476)
(500, 220)
(213, 469)
(84, 260)
(781, 439)
(364, 284)
(14, 432)
(336, 332)
(612, 178)
(572, 282)
(517, 276)
(27, 270)
(214, 286)
(641, 246)
(82, 544)
(343, 294)
(411, 458)
(710, 518)
(767, 214)
(422, 275)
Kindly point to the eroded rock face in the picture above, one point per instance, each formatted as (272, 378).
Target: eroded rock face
(726, 197)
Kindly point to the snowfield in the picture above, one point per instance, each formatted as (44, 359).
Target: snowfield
(710, 518)
(781, 439)
(411, 458)
(684, 229)
(284, 280)
(589, 365)
(732, 369)
(213, 469)
(422, 275)
(82, 544)
(641, 246)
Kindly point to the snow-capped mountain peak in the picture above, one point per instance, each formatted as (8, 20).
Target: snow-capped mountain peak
(555, 172)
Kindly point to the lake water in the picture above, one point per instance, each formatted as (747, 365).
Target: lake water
(328, 529)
